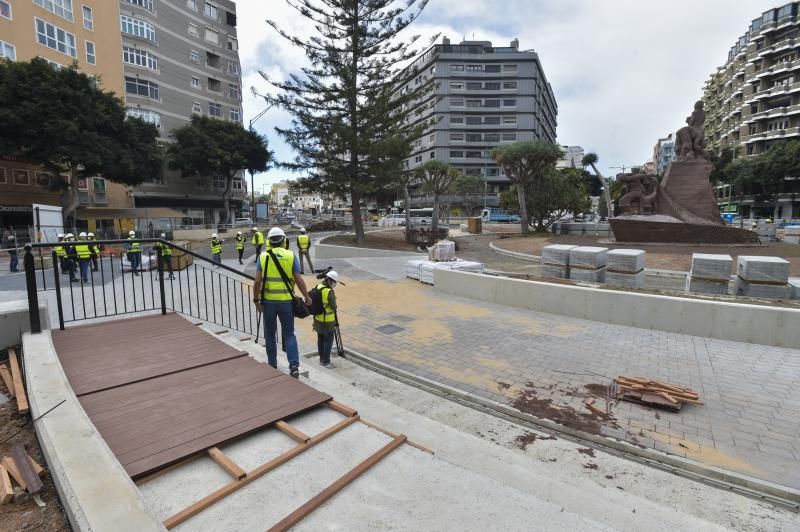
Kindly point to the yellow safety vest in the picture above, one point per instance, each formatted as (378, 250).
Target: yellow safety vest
(216, 247)
(134, 246)
(94, 248)
(327, 315)
(240, 241)
(61, 251)
(258, 238)
(303, 242)
(166, 251)
(82, 250)
(273, 288)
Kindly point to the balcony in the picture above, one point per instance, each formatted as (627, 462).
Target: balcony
(783, 133)
(785, 22)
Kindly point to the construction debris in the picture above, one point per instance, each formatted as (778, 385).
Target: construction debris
(18, 390)
(654, 393)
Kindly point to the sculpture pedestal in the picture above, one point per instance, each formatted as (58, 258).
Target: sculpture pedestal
(686, 183)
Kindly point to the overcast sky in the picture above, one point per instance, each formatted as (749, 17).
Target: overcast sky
(624, 72)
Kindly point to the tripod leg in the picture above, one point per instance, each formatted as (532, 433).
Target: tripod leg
(258, 326)
(338, 336)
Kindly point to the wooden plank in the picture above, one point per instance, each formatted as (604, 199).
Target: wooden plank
(22, 461)
(39, 470)
(339, 407)
(11, 467)
(19, 388)
(208, 500)
(393, 435)
(226, 463)
(9, 382)
(292, 432)
(6, 490)
(176, 465)
(667, 397)
(328, 493)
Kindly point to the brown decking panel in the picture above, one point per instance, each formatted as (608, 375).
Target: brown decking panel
(159, 389)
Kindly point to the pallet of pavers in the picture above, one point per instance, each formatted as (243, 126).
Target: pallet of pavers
(766, 277)
(427, 267)
(791, 234)
(625, 267)
(710, 274)
(587, 263)
(412, 268)
(795, 286)
(555, 260)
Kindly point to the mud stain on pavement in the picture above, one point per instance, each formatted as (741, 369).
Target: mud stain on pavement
(588, 451)
(528, 402)
(523, 440)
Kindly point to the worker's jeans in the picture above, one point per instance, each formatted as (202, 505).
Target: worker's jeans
(324, 346)
(258, 251)
(14, 263)
(84, 265)
(307, 255)
(136, 260)
(217, 257)
(282, 310)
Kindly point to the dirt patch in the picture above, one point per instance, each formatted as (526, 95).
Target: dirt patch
(391, 240)
(598, 390)
(503, 385)
(528, 402)
(27, 515)
(523, 440)
(588, 451)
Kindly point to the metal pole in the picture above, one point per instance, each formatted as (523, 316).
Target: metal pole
(252, 193)
(33, 297)
(161, 278)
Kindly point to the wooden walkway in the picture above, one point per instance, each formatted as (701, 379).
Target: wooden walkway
(160, 389)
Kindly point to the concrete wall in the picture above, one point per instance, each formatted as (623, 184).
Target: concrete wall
(326, 251)
(96, 492)
(755, 324)
(15, 321)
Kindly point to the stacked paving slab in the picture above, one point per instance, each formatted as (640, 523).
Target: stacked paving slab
(625, 267)
(588, 264)
(794, 284)
(710, 274)
(792, 234)
(766, 277)
(555, 260)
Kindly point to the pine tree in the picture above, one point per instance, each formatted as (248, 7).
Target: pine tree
(347, 102)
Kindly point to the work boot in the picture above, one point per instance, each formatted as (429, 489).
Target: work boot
(294, 372)
(74, 280)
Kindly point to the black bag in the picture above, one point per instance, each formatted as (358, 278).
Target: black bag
(317, 307)
(299, 306)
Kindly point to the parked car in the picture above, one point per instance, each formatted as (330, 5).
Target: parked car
(498, 216)
(242, 222)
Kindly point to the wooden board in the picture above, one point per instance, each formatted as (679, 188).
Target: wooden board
(6, 490)
(32, 481)
(7, 380)
(10, 466)
(226, 463)
(16, 377)
(292, 432)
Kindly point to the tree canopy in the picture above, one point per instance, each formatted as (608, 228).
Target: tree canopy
(218, 148)
(591, 159)
(62, 120)
(437, 178)
(469, 187)
(556, 193)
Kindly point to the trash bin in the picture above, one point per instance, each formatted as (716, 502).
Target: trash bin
(474, 226)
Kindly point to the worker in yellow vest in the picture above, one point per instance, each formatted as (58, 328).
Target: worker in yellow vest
(216, 249)
(304, 247)
(61, 253)
(72, 256)
(84, 255)
(325, 322)
(258, 241)
(166, 257)
(94, 249)
(240, 245)
(277, 273)
(134, 252)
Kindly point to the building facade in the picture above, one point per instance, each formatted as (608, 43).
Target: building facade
(61, 32)
(181, 58)
(482, 96)
(663, 153)
(573, 157)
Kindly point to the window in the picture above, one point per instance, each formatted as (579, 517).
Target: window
(5, 9)
(491, 103)
(218, 183)
(88, 19)
(55, 38)
(509, 103)
(141, 87)
(509, 68)
(492, 172)
(212, 36)
(233, 44)
(233, 91)
(194, 56)
(456, 102)
(474, 68)
(215, 109)
(8, 51)
(473, 137)
(457, 68)
(456, 154)
(509, 136)
(146, 4)
(151, 117)
(472, 171)
(433, 155)
(509, 119)
(473, 103)
(233, 67)
(137, 28)
(491, 137)
(43, 179)
(3, 179)
(137, 57)
(456, 85)
(191, 4)
(431, 138)
(456, 119)
(62, 8)
(195, 82)
(473, 120)
(418, 159)
(509, 84)
(491, 68)
(196, 109)
(91, 56)
(236, 184)
(234, 115)
(193, 31)
(473, 85)
(491, 120)
(491, 86)
(210, 10)
(214, 85)
(456, 137)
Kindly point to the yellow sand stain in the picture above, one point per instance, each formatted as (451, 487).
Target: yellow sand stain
(430, 332)
(491, 363)
(534, 325)
(710, 455)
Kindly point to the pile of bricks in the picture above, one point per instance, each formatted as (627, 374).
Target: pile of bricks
(625, 267)
(555, 260)
(710, 274)
(766, 277)
(588, 264)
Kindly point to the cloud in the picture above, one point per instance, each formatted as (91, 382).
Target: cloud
(624, 72)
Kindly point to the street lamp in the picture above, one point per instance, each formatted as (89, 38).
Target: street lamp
(252, 174)
(623, 167)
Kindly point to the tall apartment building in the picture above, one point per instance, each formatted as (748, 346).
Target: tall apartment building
(572, 158)
(663, 153)
(60, 31)
(483, 96)
(181, 58)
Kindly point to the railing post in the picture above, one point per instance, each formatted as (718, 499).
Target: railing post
(57, 282)
(161, 279)
(33, 296)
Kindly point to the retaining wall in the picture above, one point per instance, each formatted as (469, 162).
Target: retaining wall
(15, 320)
(327, 251)
(773, 326)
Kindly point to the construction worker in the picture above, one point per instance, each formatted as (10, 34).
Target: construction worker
(166, 257)
(240, 245)
(304, 247)
(94, 249)
(276, 299)
(71, 258)
(216, 248)
(84, 255)
(325, 323)
(12, 253)
(134, 252)
(258, 241)
(61, 252)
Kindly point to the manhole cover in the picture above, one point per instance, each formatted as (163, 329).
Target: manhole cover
(402, 319)
(389, 329)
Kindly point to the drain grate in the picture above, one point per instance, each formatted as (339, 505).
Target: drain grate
(389, 329)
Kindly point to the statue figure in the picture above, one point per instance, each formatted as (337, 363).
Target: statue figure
(640, 189)
(690, 140)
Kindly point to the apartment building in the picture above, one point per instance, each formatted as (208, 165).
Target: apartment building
(180, 58)
(482, 96)
(60, 31)
(572, 158)
(663, 153)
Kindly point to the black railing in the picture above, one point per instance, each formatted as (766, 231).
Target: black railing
(111, 284)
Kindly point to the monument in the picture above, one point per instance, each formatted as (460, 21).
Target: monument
(681, 208)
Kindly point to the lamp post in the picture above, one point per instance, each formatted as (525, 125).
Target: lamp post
(252, 174)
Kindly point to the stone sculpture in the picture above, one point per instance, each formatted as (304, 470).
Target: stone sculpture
(641, 189)
(690, 140)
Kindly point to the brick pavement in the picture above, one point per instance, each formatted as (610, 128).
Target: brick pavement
(542, 364)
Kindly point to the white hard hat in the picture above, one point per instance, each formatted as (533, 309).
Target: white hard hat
(69, 235)
(332, 275)
(131, 233)
(213, 235)
(82, 235)
(276, 233)
(302, 229)
(255, 228)
(163, 235)
(11, 237)
(238, 232)
(60, 235)
(90, 234)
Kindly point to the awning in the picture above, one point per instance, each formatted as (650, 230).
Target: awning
(107, 213)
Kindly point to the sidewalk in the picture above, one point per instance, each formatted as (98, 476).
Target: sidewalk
(547, 365)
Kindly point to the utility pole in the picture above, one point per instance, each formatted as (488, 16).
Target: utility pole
(623, 167)
(252, 174)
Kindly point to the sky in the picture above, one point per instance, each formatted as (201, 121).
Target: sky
(624, 72)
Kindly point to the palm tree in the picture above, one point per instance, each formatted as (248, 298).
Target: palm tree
(590, 159)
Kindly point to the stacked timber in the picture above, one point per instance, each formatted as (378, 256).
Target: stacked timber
(766, 277)
(587, 263)
(625, 267)
(654, 393)
(555, 260)
(710, 274)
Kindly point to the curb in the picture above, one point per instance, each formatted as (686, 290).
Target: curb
(743, 484)
(515, 254)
